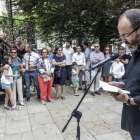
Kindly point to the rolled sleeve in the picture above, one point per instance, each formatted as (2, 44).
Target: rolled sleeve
(52, 70)
(41, 71)
(84, 62)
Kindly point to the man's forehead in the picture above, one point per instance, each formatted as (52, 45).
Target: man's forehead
(124, 22)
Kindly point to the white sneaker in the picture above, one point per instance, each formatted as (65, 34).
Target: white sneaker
(43, 102)
(22, 104)
(76, 94)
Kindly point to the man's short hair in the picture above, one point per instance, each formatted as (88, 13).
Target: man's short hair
(31, 47)
(133, 15)
(85, 43)
(69, 41)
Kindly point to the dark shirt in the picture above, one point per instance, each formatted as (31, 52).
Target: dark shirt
(59, 59)
(131, 114)
(21, 53)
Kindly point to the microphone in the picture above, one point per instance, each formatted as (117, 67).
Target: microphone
(101, 64)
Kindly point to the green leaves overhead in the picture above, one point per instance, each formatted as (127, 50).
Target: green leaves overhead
(76, 18)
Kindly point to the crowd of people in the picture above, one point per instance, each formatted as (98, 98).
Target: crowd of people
(47, 69)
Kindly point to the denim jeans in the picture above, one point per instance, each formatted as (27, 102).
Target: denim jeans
(117, 80)
(68, 73)
(34, 76)
(135, 137)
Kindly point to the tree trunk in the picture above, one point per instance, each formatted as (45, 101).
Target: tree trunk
(103, 44)
(80, 40)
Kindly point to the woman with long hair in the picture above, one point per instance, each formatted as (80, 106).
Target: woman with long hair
(106, 69)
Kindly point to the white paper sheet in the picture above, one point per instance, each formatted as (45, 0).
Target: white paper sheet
(105, 86)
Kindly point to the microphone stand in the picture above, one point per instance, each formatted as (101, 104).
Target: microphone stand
(78, 114)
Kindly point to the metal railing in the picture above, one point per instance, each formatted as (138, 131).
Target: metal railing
(20, 30)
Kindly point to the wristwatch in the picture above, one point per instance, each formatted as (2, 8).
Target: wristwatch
(128, 101)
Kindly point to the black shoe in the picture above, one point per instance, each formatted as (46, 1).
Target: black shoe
(28, 99)
(38, 97)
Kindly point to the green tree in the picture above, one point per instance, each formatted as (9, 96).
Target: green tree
(76, 19)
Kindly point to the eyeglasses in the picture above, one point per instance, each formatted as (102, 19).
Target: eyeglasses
(107, 49)
(96, 46)
(121, 49)
(13, 52)
(127, 35)
(44, 52)
(60, 50)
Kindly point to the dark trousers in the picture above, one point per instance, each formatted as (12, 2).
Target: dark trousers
(135, 137)
(34, 76)
(68, 72)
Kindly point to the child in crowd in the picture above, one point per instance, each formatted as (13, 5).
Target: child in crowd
(75, 79)
(117, 70)
(6, 80)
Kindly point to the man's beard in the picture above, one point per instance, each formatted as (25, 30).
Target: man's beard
(134, 43)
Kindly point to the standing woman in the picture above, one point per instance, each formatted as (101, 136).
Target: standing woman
(45, 75)
(17, 84)
(59, 60)
(106, 68)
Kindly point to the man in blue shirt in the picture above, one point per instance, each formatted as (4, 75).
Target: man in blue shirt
(87, 60)
(50, 55)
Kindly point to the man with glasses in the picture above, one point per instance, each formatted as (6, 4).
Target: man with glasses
(95, 57)
(129, 30)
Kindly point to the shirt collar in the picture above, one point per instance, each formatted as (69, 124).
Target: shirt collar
(77, 53)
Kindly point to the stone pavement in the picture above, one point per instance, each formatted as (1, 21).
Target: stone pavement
(101, 118)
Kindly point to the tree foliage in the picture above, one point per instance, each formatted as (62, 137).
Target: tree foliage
(76, 19)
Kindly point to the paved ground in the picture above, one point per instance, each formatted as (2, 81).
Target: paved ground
(100, 121)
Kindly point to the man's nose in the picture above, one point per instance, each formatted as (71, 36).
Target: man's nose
(124, 39)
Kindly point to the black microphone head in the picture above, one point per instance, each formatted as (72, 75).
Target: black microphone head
(114, 56)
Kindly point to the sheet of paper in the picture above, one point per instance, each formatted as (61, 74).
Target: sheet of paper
(105, 86)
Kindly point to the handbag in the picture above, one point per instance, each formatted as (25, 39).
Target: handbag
(46, 79)
(57, 74)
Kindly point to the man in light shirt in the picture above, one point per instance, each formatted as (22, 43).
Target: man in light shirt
(79, 58)
(30, 64)
(95, 57)
(68, 52)
(87, 59)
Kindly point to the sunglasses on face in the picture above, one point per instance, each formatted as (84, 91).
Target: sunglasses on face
(60, 50)
(96, 46)
(121, 49)
(44, 52)
(13, 52)
(107, 49)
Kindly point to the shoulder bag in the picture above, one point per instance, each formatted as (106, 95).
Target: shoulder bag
(57, 74)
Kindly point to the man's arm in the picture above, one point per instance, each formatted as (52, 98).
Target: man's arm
(92, 59)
